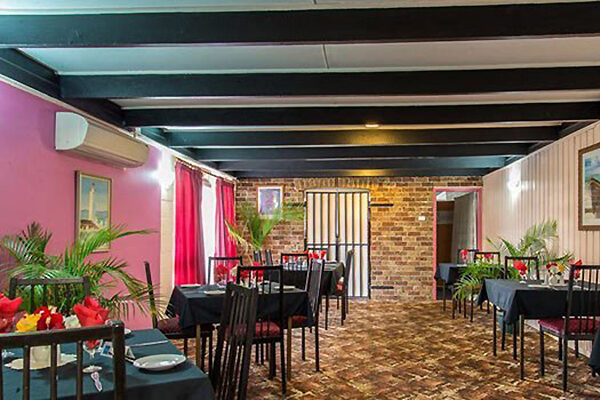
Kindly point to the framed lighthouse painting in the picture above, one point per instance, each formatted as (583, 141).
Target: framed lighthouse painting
(589, 188)
(92, 204)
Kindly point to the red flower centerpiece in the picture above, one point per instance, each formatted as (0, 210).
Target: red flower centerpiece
(522, 268)
(577, 272)
(8, 309)
(91, 313)
(221, 273)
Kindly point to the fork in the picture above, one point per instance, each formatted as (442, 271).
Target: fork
(96, 378)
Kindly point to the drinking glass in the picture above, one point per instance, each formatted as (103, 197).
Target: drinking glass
(90, 347)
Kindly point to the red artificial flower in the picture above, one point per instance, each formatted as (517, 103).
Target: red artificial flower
(90, 313)
(577, 272)
(9, 307)
(550, 265)
(521, 267)
(323, 254)
(487, 256)
(285, 259)
(49, 320)
(221, 272)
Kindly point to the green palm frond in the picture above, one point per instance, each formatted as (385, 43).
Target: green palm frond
(106, 274)
(255, 228)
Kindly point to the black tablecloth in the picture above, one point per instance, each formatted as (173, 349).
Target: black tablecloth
(297, 277)
(449, 272)
(184, 382)
(521, 299)
(194, 307)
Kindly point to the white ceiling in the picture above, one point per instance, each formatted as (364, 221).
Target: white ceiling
(128, 6)
(348, 57)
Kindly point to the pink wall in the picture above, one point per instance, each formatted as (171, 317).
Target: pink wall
(37, 183)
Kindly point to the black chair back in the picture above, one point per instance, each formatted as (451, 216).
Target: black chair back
(252, 276)
(268, 257)
(313, 285)
(491, 256)
(229, 374)
(215, 264)
(153, 310)
(294, 261)
(257, 256)
(583, 301)
(53, 338)
(532, 263)
(347, 270)
(62, 293)
(468, 257)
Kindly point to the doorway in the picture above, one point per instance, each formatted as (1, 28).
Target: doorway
(456, 225)
(337, 220)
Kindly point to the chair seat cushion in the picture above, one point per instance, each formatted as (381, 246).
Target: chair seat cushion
(557, 325)
(169, 325)
(267, 329)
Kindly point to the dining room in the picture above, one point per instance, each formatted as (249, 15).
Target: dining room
(400, 198)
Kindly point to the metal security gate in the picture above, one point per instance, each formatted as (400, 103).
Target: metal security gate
(337, 220)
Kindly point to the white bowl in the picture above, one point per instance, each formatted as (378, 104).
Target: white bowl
(159, 362)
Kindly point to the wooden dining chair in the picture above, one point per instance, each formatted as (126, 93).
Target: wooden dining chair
(341, 290)
(293, 261)
(44, 291)
(469, 255)
(229, 375)
(492, 256)
(257, 256)
(313, 288)
(580, 321)
(268, 257)
(169, 326)
(268, 326)
(215, 262)
(54, 338)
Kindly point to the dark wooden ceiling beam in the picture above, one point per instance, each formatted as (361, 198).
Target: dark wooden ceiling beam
(28, 72)
(360, 152)
(406, 163)
(375, 137)
(361, 173)
(431, 83)
(391, 115)
(302, 26)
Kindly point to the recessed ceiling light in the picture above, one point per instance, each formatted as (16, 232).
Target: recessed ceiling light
(371, 125)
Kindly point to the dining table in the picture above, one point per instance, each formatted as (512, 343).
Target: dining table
(525, 300)
(183, 382)
(449, 273)
(198, 305)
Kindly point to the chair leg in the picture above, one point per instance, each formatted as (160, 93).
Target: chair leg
(564, 364)
(185, 347)
(515, 327)
(472, 305)
(283, 378)
(262, 354)
(522, 342)
(494, 330)
(465, 308)
(256, 353)
(303, 344)
(444, 296)
(542, 355)
(203, 355)
(326, 312)
(272, 366)
(560, 350)
(453, 302)
(503, 340)
(317, 365)
(337, 299)
(210, 351)
(488, 306)
(576, 348)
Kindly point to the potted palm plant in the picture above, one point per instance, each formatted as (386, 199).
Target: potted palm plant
(253, 228)
(110, 282)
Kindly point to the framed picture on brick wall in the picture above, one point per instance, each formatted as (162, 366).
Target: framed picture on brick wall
(269, 200)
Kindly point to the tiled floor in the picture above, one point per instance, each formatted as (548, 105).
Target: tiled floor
(397, 351)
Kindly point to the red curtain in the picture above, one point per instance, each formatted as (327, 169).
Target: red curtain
(189, 248)
(224, 243)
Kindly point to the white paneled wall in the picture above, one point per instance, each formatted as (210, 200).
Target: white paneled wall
(542, 186)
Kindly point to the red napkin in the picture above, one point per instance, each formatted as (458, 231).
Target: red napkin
(8, 308)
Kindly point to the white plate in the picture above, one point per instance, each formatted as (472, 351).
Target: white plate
(289, 287)
(159, 362)
(18, 363)
(127, 331)
(214, 292)
(185, 285)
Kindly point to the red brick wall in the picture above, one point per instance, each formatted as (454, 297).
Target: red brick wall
(401, 245)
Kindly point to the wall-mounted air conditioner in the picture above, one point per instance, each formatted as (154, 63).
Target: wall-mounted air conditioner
(79, 136)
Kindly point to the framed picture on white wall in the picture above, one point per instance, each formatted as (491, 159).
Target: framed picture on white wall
(269, 200)
(589, 188)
